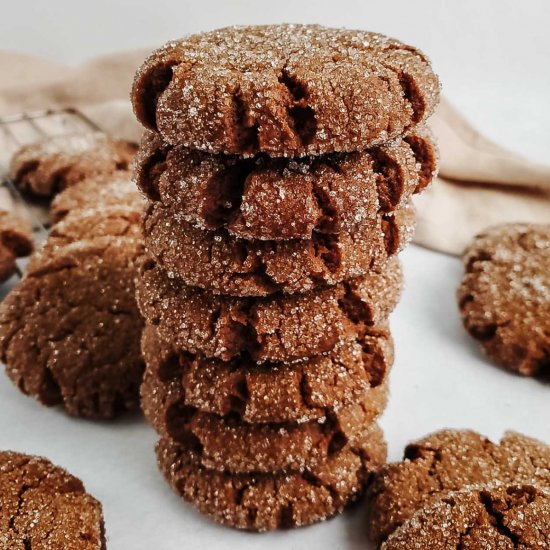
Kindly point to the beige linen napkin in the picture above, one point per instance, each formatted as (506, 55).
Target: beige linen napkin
(480, 183)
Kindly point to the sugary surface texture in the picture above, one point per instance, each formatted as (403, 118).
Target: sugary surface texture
(15, 242)
(267, 501)
(274, 392)
(226, 443)
(70, 331)
(224, 264)
(95, 222)
(273, 328)
(448, 461)
(285, 90)
(98, 192)
(490, 517)
(504, 297)
(46, 508)
(47, 167)
(281, 199)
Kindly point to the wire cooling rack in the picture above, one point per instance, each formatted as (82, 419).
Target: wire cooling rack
(22, 129)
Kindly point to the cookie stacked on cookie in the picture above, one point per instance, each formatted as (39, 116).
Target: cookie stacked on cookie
(279, 163)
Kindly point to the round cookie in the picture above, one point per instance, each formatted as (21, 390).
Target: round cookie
(281, 199)
(504, 297)
(488, 517)
(103, 191)
(94, 222)
(284, 90)
(223, 264)
(274, 392)
(448, 461)
(70, 331)
(228, 444)
(15, 242)
(273, 328)
(267, 501)
(45, 507)
(46, 167)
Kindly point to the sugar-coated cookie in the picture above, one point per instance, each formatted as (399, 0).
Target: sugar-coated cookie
(285, 90)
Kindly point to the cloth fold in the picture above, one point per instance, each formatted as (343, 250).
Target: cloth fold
(480, 183)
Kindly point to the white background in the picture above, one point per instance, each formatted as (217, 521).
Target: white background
(493, 59)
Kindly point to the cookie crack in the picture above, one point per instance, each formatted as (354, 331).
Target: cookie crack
(302, 118)
(497, 519)
(245, 127)
(390, 179)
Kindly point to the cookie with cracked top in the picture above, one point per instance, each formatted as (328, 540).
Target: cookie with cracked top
(15, 242)
(95, 222)
(46, 167)
(268, 501)
(281, 199)
(227, 443)
(284, 90)
(489, 517)
(100, 192)
(504, 297)
(448, 461)
(70, 331)
(45, 507)
(274, 392)
(273, 328)
(224, 264)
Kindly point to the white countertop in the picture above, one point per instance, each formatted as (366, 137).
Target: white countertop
(440, 378)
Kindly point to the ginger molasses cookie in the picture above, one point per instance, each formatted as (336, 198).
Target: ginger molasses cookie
(267, 501)
(112, 190)
(273, 328)
(15, 242)
(504, 297)
(285, 90)
(448, 461)
(224, 264)
(228, 443)
(94, 222)
(45, 507)
(490, 517)
(70, 331)
(46, 167)
(274, 392)
(282, 198)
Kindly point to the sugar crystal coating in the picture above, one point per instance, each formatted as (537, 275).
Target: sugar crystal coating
(46, 167)
(285, 90)
(448, 461)
(45, 507)
(504, 297)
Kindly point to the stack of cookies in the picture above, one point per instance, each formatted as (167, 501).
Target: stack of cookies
(279, 164)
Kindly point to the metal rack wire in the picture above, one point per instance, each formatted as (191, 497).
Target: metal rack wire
(25, 128)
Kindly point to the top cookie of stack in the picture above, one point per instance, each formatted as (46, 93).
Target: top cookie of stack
(284, 90)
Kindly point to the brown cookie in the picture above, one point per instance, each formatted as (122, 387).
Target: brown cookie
(448, 461)
(227, 443)
(46, 167)
(113, 190)
(94, 222)
(480, 517)
(70, 331)
(45, 507)
(267, 501)
(15, 242)
(273, 392)
(223, 264)
(273, 328)
(285, 90)
(504, 297)
(281, 199)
